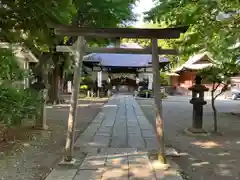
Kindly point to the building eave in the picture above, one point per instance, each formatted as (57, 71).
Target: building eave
(17, 48)
(172, 74)
(190, 63)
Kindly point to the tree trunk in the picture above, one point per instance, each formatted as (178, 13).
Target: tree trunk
(214, 112)
(74, 99)
(158, 100)
(40, 122)
(53, 93)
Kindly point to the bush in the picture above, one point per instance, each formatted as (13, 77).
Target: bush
(164, 95)
(84, 87)
(164, 79)
(143, 93)
(150, 94)
(17, 104)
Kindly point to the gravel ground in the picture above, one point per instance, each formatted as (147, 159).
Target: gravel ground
(34, 159)
(215, 157)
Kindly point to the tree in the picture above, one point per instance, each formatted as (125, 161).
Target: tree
(91, 13)
(220, 76)
(29, 23)
(16, 102)
(10, 70)
(214, 25)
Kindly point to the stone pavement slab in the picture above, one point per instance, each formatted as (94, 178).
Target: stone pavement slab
(88, 175)
(62, 174)
(112, 143)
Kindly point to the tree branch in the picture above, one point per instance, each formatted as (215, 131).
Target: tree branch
(213, 87)
(222, 91)
(217, 86)
(218, 95)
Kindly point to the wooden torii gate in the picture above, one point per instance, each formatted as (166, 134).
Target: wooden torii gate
(80, 48)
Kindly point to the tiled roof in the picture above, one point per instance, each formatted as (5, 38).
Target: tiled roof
(190, 63)
(123, 60)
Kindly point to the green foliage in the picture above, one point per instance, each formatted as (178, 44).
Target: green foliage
(91, 13)
(164, 79)
(86, 80)
(86, 83)
(28, 21)
(17, 104)
(9, 67)
(142, 93)
(163, 95)
(220, 72)
(84, 87)
(207, 29)
(163, 43)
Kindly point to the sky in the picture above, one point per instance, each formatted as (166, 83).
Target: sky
(142, 6)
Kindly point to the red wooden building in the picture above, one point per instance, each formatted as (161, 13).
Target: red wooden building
(183, 77)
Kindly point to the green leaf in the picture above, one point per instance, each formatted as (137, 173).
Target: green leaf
(206, 31)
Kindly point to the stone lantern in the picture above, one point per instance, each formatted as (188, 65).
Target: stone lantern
(198, 102)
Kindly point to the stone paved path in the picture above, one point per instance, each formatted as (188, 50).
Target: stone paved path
(117, 145)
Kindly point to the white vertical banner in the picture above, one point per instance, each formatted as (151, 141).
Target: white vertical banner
(109, 80)
(137, 80)
(150, 81)
(99, 76)
(69, 87)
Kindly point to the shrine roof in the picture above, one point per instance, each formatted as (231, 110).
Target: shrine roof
(194, 62)
(123, 60)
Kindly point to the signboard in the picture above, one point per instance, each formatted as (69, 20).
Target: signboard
(96, 68)
(99, 79)
(123, 75)
(150, 81)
